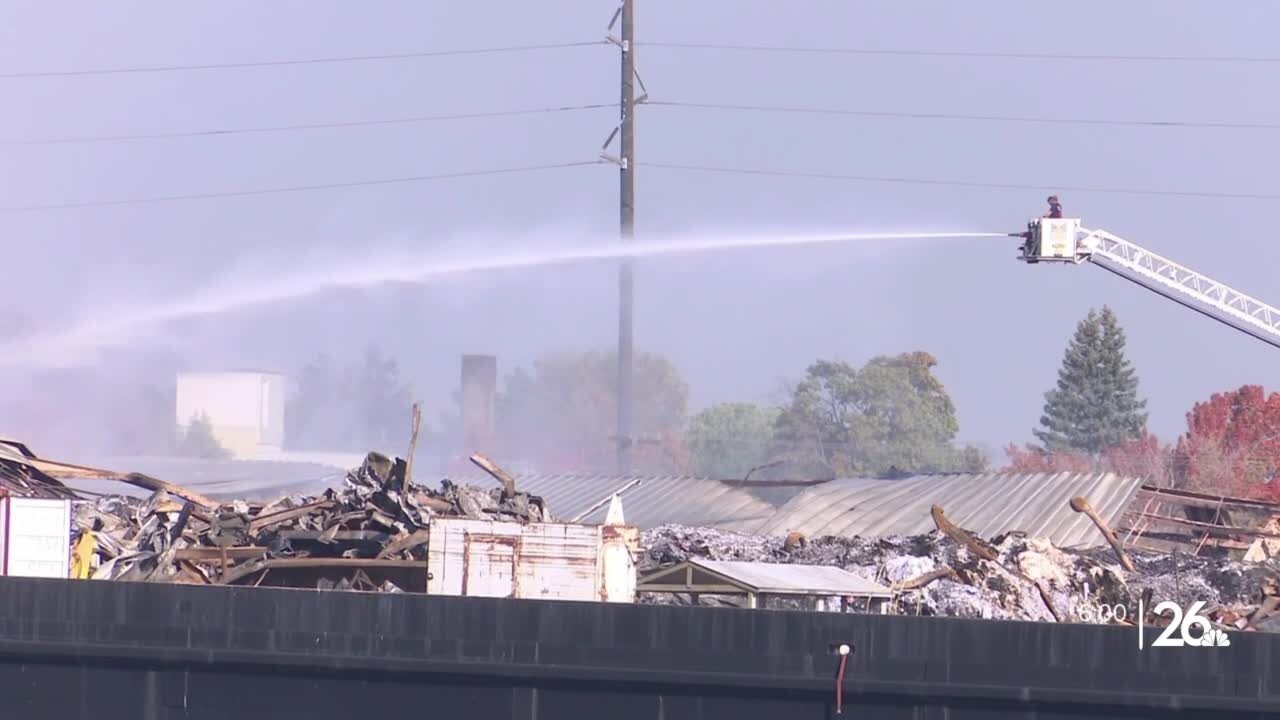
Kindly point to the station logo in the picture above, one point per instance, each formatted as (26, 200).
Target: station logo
(1187, 627)
(1180, 632)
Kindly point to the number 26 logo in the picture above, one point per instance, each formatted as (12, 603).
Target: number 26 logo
(1178, 633)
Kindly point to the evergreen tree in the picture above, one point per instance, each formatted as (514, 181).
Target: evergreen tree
(199, 441)
(1095, 405)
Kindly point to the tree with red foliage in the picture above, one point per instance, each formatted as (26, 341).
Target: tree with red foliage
(1143, 457)
(1232, 445)
(1031, 459)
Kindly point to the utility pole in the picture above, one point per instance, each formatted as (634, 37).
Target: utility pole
(626, 360)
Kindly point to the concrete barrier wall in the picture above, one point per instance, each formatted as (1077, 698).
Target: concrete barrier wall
(80, 649)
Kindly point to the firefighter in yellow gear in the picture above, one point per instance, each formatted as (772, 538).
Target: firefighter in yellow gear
(82, 554)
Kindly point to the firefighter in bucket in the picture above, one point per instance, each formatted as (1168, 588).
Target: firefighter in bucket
(1030, 245)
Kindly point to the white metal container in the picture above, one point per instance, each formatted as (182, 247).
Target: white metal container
(1058, 237)
(245, 409)
(550, 561)
(35, 537)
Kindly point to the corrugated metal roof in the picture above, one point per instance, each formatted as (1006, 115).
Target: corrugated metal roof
(654, 501)
(987, 504)
(657, 500)
(220, 479)
(786, 579)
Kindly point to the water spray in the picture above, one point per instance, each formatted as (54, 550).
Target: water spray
(71, 346)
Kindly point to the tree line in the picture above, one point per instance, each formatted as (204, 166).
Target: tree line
(888, 417)
(1094, 421)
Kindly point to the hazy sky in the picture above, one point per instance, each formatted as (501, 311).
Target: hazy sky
(738, 324)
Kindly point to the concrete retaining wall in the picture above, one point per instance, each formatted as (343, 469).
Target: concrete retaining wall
(81, 649)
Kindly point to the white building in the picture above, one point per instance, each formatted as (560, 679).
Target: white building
(244, 408)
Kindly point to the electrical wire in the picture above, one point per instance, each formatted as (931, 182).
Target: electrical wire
(959, 116)
(302, 61)
(961, 53)
(296, 188)
(956, 183)
(307, 126)
(412, 119)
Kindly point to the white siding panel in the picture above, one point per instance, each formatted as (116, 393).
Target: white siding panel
(273, 398)
(247, 407)
(228, 399)
(35, 537)
(547, 561)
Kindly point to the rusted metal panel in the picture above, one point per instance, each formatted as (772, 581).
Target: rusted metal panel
(548, 561)
(1187, 497)
(619, 545)
(617, 573)
(489, 565)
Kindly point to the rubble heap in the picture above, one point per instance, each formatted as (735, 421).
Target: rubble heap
(1024, 579)
(19, 478)
(377, 514)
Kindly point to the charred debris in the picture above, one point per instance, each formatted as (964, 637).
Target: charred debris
(368, 534)
(376, 521)
(952, 572)
(371, 533)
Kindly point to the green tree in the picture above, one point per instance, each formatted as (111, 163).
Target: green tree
(1095, 405)
(362, 406)
(728, 440)
(383, 403)
(562, 414)
(812, 432)
(318, 415)
(199, 441)
(140, 419)
(890, 415)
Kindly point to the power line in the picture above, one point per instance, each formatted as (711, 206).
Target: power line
(302, 61)
(296, 188)
(961, 116)
(958, 183)
(307, 126)
(964, 53)
(411, 119)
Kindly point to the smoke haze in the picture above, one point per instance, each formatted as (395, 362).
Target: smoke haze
(738, 325)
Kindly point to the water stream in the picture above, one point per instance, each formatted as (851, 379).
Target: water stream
(80, 343)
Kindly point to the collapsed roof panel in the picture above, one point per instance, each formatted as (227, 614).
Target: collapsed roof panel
(986, 504)
(225, 479)
(650, 501)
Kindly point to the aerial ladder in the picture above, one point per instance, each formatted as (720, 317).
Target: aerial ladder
(1064, 240)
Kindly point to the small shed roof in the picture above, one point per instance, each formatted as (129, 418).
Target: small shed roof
(710, 576)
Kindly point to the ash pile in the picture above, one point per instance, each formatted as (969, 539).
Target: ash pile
(1011, 577)
(374, 524)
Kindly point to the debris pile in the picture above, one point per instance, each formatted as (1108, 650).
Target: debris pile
(1011, 577)
(20, 478)
(371, 534)
(377, 519)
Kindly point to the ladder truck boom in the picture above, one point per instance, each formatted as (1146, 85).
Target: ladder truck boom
(1064, 240)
